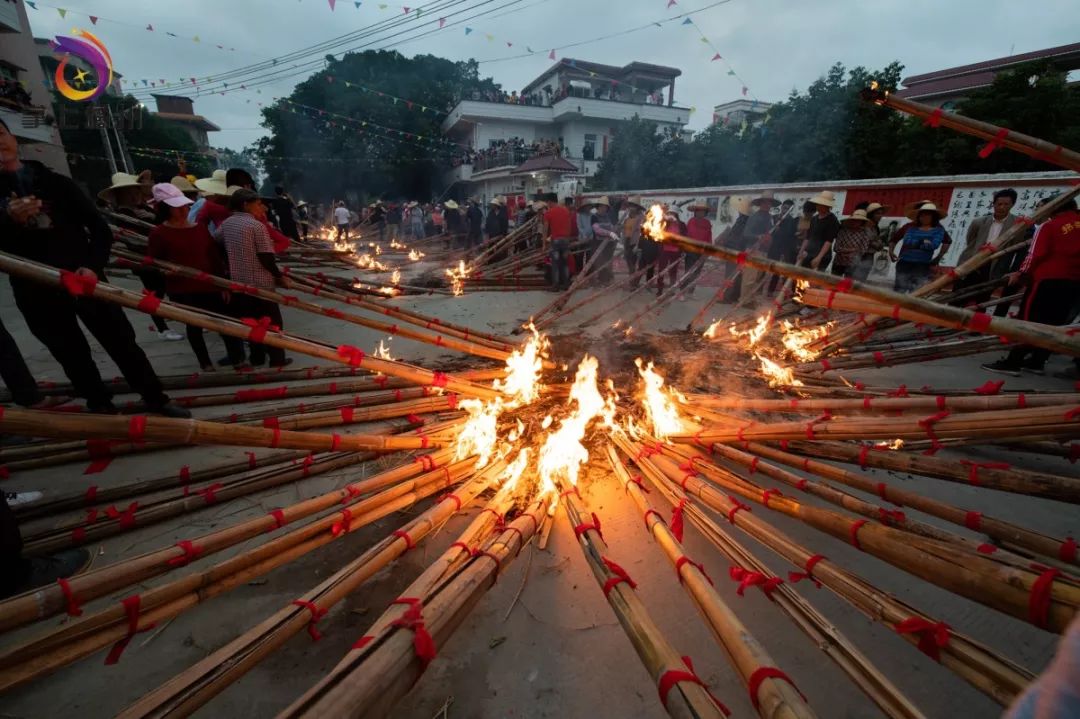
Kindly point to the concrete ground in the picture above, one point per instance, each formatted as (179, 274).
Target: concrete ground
(560, 652)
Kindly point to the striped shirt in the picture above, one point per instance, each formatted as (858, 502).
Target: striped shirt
(244, 238)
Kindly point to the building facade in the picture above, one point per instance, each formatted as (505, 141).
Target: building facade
(25, 101)
(180, 112)
(569, 114)
(736, 112)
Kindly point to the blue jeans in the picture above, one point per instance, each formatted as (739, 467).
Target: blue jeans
(560, 269)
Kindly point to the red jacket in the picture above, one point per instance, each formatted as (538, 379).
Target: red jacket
(700, 229)
(1055, 251)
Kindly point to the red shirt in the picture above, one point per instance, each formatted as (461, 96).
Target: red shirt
(213, 212)
(558, 222)
(189, 246)
(1055, 251)
(700, 229)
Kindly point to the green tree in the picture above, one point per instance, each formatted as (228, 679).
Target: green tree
(329, 137)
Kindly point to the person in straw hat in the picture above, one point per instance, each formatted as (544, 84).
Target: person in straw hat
(816, 250)
(757, 235)
(784, 245)
(455, 224)
(603, 228)
(922, 245)
(852, 242)
(497, 222)
(874, 212)
(415, 220)
(631, 235)
(698, 228)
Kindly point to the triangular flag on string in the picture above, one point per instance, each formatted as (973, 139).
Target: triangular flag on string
(716, 57)
(687, 21)
(332, 3)
(31, 4)
(62, 11)
(529, 49)
(150, 27)
(196, 39)
(705, 39)
(745, 90)
(93, 19)
(356, 3)
(468, 30)
(419, 12)
(731, 72)
(406, 8)
(671, 2)
(509, 44)
(693, 109)
(489, 36)
(382, 6)
(171, 34)
(442, 21)
(551, 55)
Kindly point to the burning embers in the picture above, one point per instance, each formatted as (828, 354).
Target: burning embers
(457, 277)
(795, 343)
(660, 403)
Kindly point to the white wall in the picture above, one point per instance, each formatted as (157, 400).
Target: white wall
(574, 131)
(506, 129)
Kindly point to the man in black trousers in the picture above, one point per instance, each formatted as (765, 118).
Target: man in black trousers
(46, 218)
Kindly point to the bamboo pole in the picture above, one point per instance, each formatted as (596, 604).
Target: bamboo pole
(68, 644)
(188, 691)
(990, 475)
(939, 402)
(475, 539)
(588, 299)
(50, 600)
(343, 354)
(662, 300)
(640, 288)
(919, 353)
(564, 297)
(988, 672)
(1017, 330)
(682, 692)
(1044, 599)
(441, 340)
(994, 134)
(773, 697)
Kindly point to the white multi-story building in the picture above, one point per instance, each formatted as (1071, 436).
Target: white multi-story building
(557, 129)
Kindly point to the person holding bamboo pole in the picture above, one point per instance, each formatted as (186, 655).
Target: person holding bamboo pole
(816, 249)
(1052, 271)
(48, 219)
(784, 246)
(700, 229)
(758, 236)
(251, 262)
(175, 239)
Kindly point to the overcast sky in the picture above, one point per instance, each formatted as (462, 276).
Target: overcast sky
(774, 45)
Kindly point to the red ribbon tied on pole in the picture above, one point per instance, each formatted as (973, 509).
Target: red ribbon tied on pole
(78, 285)
(934, 118)
(353, 355)
(149, 302)
(994, 144)
(932, 635)
(413, 619)
(259, 328)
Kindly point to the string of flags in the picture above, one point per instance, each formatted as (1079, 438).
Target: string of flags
(716, 56)
(170, 154)
(63, 13)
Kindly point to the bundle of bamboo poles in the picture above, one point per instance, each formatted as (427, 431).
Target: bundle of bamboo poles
(259, 330)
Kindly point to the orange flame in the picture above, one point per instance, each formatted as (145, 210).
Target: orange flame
(653, 226)
(658, 403)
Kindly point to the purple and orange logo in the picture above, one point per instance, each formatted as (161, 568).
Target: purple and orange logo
(87, 47)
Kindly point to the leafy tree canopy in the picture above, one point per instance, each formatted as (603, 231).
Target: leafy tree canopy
(368, 162)
(828, 133)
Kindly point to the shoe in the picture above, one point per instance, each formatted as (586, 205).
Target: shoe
(1032, 369)
(50, 402)
(170, 409)
(14, 499)
(170, 335)
(208, 368)
(226, 361)
(1001, 367)
(283, 363)
(41, 571)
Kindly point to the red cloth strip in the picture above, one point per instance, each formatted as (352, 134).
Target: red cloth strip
(259, 328)
(209, 494)
(457, 500)
(347, 415)
(974, 467)
(796, 577)
(126, 518)
(586, 526)
(354, 356)
(671, 677)
(91, 494)
(413, 619)
(986, 548)
(770, 493)
(933, 120)
(271, 423)
(989, 387)
(149, 302)
(1021, 400)
(316, 615)
(899, 392)
(402, 534)
(251, 460)
(654, 513)
(343, 526)
(335, 442)
(464, 547)
(752, 467)
(762, 673)
(747, 578)
(636, 479)
(995, 143)
(738, 506)
(1067, 551)
(191, 553)
(132, 606)
(843, 286)
(439, 379)
(973, 521)
(1039, 601)
(677, 519)
(980, 322)
(686, 560)
(74, 609)
(77, 285)
(891, 516)
(426, 463)
(853, 532)
(620, 576)
(256, 395)
(279, 519)
(363, 642)
(571, 491)
(932, 635)
(864, 452)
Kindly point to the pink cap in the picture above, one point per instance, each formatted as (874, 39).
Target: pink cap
(169, 194)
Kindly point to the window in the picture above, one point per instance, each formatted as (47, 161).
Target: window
(8, 72)
(589, 150)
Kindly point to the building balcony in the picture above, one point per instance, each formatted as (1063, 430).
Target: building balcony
(468, 112)
(615, 110)
(27, 122)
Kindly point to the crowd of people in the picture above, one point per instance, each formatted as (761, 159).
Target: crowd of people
(547, 95)
(512, 151)
(13, 94)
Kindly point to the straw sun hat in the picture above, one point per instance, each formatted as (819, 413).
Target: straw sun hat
(825, 198)
(213, 185)
(857, 216)
(766, 196)
(119, 181)
(450, 205)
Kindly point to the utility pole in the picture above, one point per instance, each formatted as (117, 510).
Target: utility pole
(121, 146)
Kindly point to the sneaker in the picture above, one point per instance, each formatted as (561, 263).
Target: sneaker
(1032, 369)
(170, 409)
(14, 499)
(170, 335)
(1001, 367)
(50, 402)
(41, 571)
